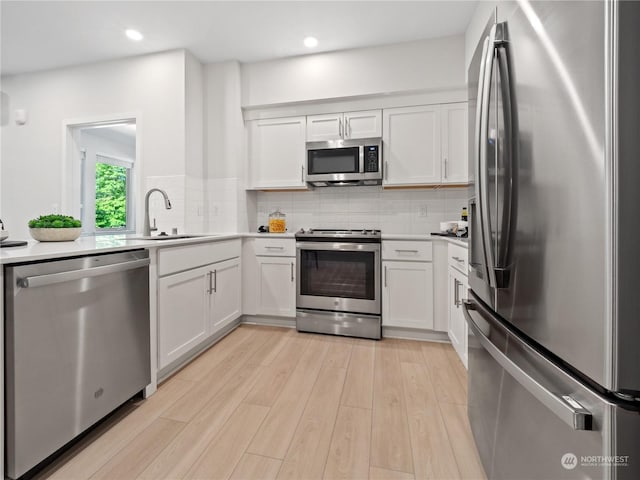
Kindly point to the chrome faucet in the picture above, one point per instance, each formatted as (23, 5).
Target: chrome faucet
(167, 204)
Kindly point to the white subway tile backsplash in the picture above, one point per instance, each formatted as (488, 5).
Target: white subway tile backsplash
(392, 211)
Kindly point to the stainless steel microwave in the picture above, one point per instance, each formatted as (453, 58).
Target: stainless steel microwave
(344, 162)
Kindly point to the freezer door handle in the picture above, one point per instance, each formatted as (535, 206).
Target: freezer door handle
(563, 406)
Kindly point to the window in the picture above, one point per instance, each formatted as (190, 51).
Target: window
(112, 198)
(107, 172)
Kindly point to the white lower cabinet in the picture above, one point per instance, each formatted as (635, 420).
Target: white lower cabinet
(457, 324)
(226, 300)
(407, 292)
(183, 313)
(276, 293)
(195, 304)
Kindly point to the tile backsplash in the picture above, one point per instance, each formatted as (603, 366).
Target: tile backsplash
(392, 211)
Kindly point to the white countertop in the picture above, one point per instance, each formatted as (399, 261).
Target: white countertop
(35, 250)
(270, 235)
(463, 242)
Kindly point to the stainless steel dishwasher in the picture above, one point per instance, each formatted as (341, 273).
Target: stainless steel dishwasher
(76, 348)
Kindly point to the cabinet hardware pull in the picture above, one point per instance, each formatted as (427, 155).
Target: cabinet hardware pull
(385, 276)
(270, 247)
(347, 126)
(215, 281)
(340, 127)
(210, 289)
(302, 173)
(292, 271)
(399, 250)
(455, 292)
(445, 167)
(458, 259)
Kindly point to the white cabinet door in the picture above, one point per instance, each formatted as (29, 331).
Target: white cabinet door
(277, 152)
(457, 323)
(455, 164)
(276, 286)
(411, 147)
(226, 302)
(407, 297)
(183, 311)
(365, 124)
(324, 127)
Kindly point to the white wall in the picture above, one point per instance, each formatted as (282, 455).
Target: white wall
(194, 145)
(151, 86)
(432, 64)
(225, 156)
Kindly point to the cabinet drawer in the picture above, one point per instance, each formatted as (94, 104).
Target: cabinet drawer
(407, 250)
(458, 258)
(179, 259)
(275, 247)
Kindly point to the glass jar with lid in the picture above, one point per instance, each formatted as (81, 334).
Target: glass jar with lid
(277, 222)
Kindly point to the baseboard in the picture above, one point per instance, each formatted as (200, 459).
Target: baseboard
(188, 357)
(270, 321)
(415, 334)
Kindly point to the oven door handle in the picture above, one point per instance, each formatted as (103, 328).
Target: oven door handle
(339, 246)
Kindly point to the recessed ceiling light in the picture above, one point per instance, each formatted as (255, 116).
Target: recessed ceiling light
(134, 35)
(311, 42)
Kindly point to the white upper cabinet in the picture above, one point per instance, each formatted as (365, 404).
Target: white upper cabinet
(454, 127)
(411, 145)
(426, 145)
(365, 124)
(277, 153)
(336, 126)
(324, 127)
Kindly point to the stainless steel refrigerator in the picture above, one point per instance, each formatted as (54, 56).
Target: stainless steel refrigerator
(554, 266)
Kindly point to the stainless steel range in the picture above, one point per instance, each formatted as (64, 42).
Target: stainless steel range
(338, 289)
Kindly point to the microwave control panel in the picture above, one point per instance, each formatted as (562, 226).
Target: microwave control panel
(371, 163)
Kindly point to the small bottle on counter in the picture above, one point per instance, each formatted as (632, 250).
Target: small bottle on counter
(464, 215)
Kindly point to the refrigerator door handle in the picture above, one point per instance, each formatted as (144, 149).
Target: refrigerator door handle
(510, 149)
(563, 406)
(478, 149)
(482, 180)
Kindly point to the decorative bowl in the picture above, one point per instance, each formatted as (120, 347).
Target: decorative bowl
(55, 234)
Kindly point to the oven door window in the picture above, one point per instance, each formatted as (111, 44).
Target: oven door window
(338, 274)
(334, 160)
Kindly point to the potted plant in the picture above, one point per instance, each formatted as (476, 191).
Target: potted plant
(55, 228)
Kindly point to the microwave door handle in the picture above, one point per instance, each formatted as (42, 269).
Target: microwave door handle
(485, 220)
(361, 158)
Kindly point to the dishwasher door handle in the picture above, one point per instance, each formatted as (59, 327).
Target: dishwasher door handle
(51, 278)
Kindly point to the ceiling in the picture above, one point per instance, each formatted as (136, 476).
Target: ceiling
(39, 35)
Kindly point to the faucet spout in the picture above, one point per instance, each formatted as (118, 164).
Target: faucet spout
(167, 204)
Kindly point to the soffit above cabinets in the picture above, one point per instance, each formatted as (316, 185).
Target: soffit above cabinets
(42, 35)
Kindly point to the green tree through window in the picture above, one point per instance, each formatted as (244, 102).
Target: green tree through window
(111, 196)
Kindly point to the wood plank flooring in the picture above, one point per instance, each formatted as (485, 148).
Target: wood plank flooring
(272, 403)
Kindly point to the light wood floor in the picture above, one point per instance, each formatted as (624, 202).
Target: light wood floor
(267, 403)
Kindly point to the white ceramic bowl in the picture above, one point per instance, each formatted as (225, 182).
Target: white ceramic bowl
(55, 234)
